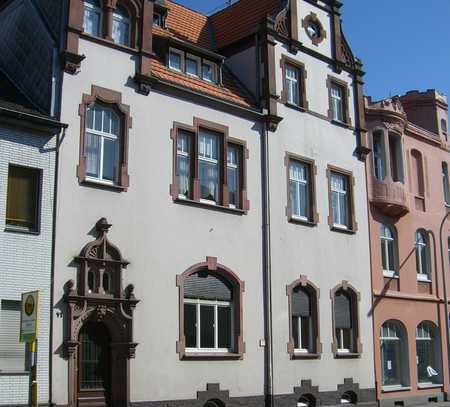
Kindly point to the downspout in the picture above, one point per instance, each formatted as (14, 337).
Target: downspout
(267, 269)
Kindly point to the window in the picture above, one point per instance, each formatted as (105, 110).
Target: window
(121, 26)
(303, 319)
(379, 163)
(22, 204)
(337, 102)
(428, 350)
(292, 80)
(417, 173)
(216, 174)
(210, 313)
(103, 129)
(300, 190)
(176, 60)
(422, 257)
(343, 322)
(92, 22)
(12, 352)
(445, 182)
(192, 65)
(233, 174)
(307, 400)
(394, 355)
(388, 251)
(348, 398)
(444, 128)
(157, 19)
(209, 71)
(396, 155)
(341, 199)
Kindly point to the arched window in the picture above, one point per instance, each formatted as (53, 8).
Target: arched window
(388, 251)
(121, 26)
(345, 321)
(394, 354)
(349, 397)
(303, 305)
(210, 312)
(428, 350)
(93, 18)
(417, 173)
(102, 145)
(214, 403)
(423, 265)
(307, 400)
(445, 183)
(379, 156)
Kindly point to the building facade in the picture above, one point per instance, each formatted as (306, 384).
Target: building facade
(407, 176)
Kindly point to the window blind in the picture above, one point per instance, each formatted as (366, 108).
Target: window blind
(342, 311)
(301, 303)
(207, 286)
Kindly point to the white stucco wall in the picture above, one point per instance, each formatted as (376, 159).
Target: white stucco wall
(25, 259)
(160, 238)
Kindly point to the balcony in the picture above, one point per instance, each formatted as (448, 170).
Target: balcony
(389, 197)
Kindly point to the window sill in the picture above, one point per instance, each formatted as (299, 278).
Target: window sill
(389, 389)
(12, 229)
(103, 185)
(347, 355)
(341, 124)
(392, 275)
(347, 231)
(295, 107)
(304, 355)
(428, 385)
(109, 43)
(423, 280)
(211, 356)
(190, 202)
(300, 221)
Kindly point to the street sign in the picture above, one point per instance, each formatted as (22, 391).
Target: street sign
(29, 317)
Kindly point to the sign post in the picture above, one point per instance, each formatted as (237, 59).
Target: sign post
(29, 318)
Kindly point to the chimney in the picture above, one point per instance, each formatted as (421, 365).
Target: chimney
(428, 110)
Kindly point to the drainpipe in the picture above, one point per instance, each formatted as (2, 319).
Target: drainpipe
(267, 272)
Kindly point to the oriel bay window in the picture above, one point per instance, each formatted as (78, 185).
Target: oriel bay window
(211, 314)
(341, 200)
(301, 190)
(345, 321)
(209, 167)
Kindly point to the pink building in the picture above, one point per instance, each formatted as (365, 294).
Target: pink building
(408, 191)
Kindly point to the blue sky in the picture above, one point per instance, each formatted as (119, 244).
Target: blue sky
(404, 44)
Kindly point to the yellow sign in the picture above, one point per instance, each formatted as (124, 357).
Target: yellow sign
(29, 317)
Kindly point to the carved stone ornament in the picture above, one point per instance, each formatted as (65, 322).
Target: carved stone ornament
(99, 299)
(281, 24)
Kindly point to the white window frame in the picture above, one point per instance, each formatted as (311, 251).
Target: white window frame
(182, 153)
(209, 159)
(103, 136)
(99, 11)
(213, 67)
(379, 157)
(301, 349)
(120, 19)
(420, 247)
(341, 194)
(216, 304)
(385, 241)
(181, 54)
(198, 62)
(298, 183)
(337, 98)
(234, 166)
(291, 83)
(340, 340)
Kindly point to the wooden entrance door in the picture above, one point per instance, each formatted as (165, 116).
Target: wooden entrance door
(94, 366)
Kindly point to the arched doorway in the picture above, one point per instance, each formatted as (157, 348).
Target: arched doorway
(94, 370)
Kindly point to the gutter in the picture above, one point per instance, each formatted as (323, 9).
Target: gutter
(45, 122)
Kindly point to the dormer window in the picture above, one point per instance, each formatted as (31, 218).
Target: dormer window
(157, 19)
(193, 65)
(176, 60)
(209, 71)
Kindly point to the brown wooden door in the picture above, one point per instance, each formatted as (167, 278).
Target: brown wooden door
(94, 360)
